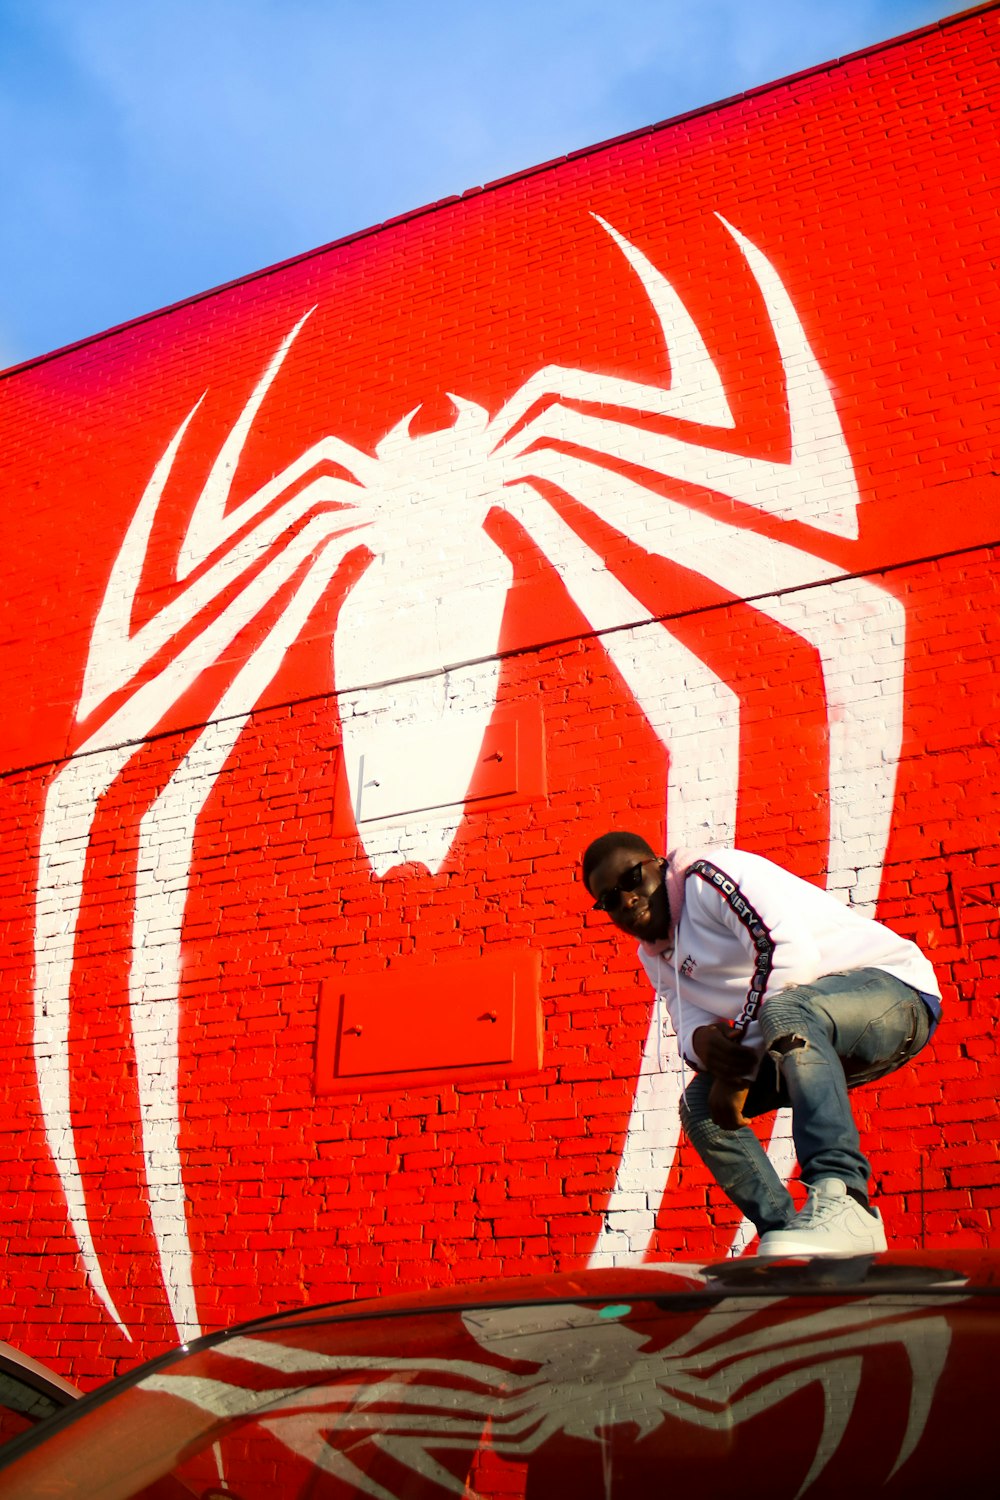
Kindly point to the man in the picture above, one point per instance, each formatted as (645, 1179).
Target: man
(779, 995)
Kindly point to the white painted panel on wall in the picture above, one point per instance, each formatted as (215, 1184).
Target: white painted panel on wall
(410, 770)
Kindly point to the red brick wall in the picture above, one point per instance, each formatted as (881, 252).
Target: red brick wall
(869, 188)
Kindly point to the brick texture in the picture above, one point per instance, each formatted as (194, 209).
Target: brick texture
(870, 187)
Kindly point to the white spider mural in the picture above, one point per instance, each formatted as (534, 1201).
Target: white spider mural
(271, 557)
(592, 1373)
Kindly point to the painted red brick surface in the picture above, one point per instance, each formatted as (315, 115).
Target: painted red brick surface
(700, 472)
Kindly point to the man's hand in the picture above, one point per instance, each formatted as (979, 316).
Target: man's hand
(725, 1104)
(729, 1062)
(723, 1054)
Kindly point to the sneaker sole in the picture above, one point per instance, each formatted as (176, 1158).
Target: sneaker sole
(812, 1251)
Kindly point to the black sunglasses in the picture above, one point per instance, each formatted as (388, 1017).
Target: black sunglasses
(631, 880)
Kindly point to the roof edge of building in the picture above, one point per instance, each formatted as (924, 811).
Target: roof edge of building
(499, 182)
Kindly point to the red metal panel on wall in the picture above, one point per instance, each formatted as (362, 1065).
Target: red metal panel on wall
(438, 1023)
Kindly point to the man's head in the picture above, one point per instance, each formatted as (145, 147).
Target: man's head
(625, 878)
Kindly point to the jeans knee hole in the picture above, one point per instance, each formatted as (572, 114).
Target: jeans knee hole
(779, 1050)
(785, 1044)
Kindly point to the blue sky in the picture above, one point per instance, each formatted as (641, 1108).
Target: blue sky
(155, 148)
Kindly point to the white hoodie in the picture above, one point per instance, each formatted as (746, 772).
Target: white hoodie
(744, 929)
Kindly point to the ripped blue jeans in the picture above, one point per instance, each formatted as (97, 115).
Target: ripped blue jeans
(828, 1037)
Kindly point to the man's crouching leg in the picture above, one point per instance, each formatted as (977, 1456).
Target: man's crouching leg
(808, 1031)
(736, 1160)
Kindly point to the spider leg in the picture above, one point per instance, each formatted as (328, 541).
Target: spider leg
(504, 1441)
(696, 717)
(309, 1433)
(111, 627)
(413, 1454)
(692, 712)
(704, 1367)
(302, 1436)
(708, 813)
(207, 527)
(211, 525)
(163, 879)
(351, 1403)
(927, 1363)
(715, 1328)
(840, 1325)
(840, 1336)
(290, 1359)
(70, 804)
(839, 1382)
(320, 1435)
(116, 652)
(516, 1438)
(696, 392)
(804, 594)
(70, 808)
(815, 485)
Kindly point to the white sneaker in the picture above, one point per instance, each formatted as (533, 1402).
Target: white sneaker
(830, 1223)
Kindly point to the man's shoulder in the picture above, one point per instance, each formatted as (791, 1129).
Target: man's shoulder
(727, 872)
(728, 861)
(722, 872)
(732, 861)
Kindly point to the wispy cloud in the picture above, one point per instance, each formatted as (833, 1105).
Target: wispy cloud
(155, 150)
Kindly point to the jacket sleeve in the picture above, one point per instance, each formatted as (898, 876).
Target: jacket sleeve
(779, 948)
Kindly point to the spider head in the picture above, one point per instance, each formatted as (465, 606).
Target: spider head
(400, 446)
(422, 478)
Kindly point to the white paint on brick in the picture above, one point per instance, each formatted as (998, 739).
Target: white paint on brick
(71, 801)
(428, 609)
(424, 739)
(154, 980)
